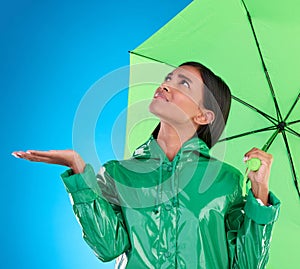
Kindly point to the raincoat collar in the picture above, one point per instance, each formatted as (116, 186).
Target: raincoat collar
(151, 149)
(194, 148)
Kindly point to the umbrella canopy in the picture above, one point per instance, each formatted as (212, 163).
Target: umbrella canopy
(254, 46)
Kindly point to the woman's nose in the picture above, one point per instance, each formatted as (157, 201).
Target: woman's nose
(165, 88)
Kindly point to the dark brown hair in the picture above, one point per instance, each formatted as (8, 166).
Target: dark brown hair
(217, 98)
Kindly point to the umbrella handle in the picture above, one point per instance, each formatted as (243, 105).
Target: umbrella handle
(254, 164)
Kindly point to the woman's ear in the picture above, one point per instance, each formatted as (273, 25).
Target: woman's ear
(204, 117)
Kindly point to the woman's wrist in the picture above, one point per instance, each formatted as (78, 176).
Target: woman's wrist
(77, 165)
(261, 192)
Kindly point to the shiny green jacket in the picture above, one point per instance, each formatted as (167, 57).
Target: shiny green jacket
(185, 213)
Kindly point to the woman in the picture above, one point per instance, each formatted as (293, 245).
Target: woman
(172, 205)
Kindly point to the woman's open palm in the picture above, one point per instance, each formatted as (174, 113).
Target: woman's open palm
(67, 157)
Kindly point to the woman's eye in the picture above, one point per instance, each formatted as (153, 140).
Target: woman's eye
(167, 78)
(185, 83)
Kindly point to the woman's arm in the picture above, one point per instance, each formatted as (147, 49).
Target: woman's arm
(249, 231)
(102, 222)
(249, 222)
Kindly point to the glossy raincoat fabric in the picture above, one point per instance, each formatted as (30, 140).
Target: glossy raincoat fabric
(184, 213)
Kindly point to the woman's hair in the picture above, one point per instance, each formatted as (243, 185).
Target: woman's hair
(217, 98)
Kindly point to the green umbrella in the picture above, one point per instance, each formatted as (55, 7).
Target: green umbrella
(254, 46)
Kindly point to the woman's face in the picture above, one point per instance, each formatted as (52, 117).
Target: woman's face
(179, 99)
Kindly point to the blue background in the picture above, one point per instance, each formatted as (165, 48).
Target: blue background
(51, 53)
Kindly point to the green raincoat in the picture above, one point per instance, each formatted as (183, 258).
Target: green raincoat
(185, 213)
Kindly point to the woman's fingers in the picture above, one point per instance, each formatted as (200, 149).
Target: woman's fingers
(16, 154)
(39, 153)
(37, 156)
(28, 155)
(266, 158)
(19, 154)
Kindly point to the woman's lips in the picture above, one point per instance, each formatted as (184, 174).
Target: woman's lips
(160, 95)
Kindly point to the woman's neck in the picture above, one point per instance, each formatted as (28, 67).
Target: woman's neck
(171, 140)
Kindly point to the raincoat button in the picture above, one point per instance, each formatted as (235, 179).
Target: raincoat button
(168, 207)
(155, 211)
(167, 254)
(169, 169)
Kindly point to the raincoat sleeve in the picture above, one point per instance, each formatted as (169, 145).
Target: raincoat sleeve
(249, 226)
(101, 221)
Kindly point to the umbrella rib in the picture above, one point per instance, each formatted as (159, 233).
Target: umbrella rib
(248, 133)
(291, 162)
(292, 131)
(149, 58)
(292, 107)
(263, 64)
(268, 144)
(268, 117)
(293, 122)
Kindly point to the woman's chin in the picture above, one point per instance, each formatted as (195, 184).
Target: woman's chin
(157, 108)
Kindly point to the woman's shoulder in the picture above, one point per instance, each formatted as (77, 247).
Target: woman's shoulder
(228, 168)
(226, 173)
